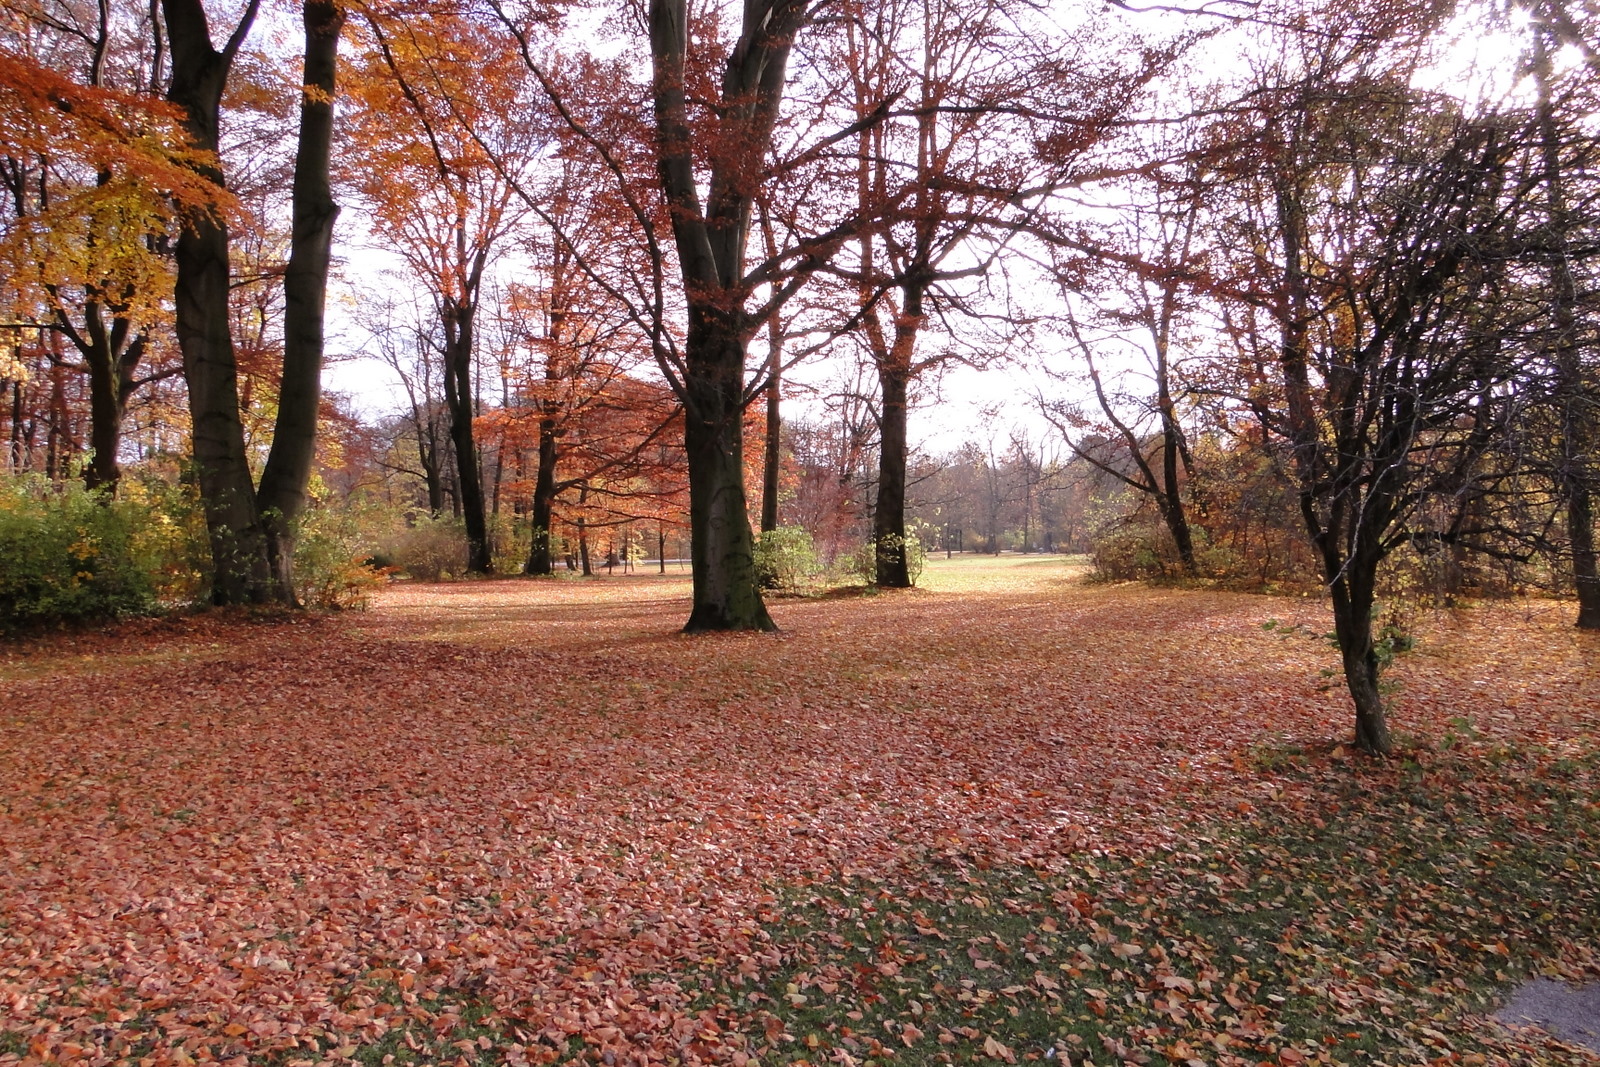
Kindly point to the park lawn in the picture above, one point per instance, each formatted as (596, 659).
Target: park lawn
(1008, 816)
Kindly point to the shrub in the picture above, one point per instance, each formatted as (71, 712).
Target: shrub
(169, 536)
(785, 558)
(68, 555)
(863, 563)
(1132, 552)
(430, 548)
(333, 560)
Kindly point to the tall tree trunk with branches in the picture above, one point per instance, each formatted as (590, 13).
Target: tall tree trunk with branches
(282, 494)
(238, 540)
(711, 243)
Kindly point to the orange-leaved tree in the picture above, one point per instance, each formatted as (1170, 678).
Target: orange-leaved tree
(92, 163)
(440, 136)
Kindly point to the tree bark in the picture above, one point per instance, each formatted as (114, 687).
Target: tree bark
(889, 513)
(544, 496)
(459, 399)
(238, 543)
(722, 550)
(282, 494)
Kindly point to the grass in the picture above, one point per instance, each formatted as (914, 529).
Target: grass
(1383, 933)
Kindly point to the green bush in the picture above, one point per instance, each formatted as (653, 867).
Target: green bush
(68, 555)
(863, 563)
(785, 558)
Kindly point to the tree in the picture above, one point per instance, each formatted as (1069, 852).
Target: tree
(90, 161)
(711, 238)
(1576, 394)
(1374, 227)
(281, 495)
(405, 340)
(1148, 295)
(988, 113)
(446, 193)
(241, 573)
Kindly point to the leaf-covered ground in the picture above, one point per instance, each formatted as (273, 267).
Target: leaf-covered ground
(1007, 817)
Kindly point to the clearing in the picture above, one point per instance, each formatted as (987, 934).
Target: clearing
(1009, 816)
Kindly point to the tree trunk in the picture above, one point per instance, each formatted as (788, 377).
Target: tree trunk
(1586, 575)
(894, 376)
(726, 596)
(112, 358)
(238, 544)
(282, 494)
(17, 452)
(1352, 622)
(544, 496)
(772, 456)
(1576, 477)
(1172, 514)
(428, 454)
(889, 514)
(458, 398)
(1171, 497)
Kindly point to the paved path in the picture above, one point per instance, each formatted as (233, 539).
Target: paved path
(1571, 1013)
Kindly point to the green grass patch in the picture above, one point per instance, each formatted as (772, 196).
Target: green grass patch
(1377, 925)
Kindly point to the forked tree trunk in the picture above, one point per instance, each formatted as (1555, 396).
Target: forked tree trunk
(711, 238)
(112, 357)
(282, 494)
(238, 543)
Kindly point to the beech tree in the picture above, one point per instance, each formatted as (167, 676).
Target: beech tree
(575, 405)
(731, 141)
(251, 537)
(989, 111)
(710, 150)
(238, 539)
(91, 157)
(1140, 299)
(281, 495)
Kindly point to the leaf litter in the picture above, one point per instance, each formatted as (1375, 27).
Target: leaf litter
(515, 822)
